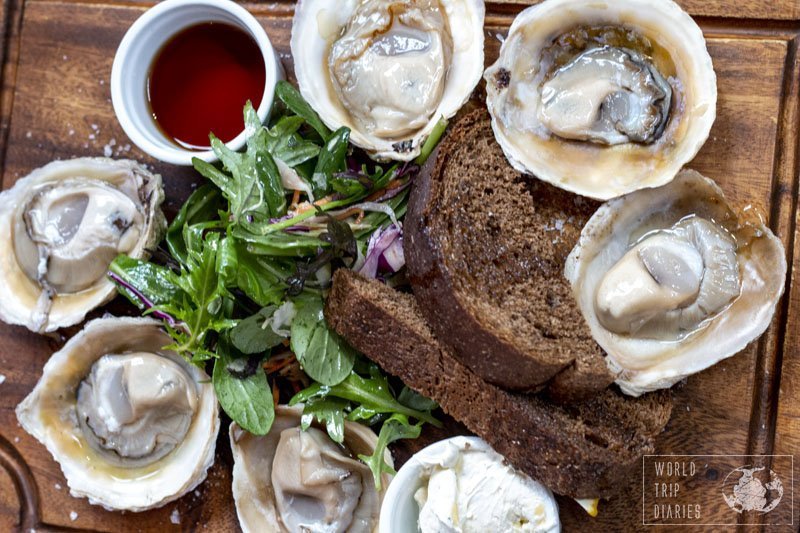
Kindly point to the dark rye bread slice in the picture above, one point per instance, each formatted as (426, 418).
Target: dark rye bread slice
(587, 449)
(485, 248)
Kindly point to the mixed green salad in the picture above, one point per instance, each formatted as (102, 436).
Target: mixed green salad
(249, 256)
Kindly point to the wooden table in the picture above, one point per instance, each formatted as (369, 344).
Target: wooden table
(56, 62)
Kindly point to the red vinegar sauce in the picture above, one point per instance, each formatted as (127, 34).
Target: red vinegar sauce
(200, 81)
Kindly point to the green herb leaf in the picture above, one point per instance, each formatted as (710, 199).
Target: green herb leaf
(414, 400)
(251, 336)
(371, 393)
(325, 356)
(203, 310)
(247, 401)
(295, 101)
(395, 428)
(253, 189)
(270, 176)
(261, 278)
(331, 159)
(284, 143)
(156, 283)
(348, 186)
(328, 411)
(246, 191)
(203, 205)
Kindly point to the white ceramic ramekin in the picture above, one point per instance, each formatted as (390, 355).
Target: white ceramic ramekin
(135, 55)
(399, 511)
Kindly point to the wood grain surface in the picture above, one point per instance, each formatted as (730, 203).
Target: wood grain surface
(55, 104)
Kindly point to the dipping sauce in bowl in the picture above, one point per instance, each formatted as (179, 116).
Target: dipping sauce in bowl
(186, 68)
(201, 79)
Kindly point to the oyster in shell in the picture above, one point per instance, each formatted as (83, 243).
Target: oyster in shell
(295, 480)
(66, 222)
(388, 70)
(132, 425)
(602, 98)
(671, 281)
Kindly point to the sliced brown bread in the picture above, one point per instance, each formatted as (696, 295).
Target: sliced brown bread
(485, 248)
(584, 449)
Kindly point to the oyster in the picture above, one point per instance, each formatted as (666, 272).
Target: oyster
(295, 480)
(132, 425)
(671, 281)
(388, 70)
(602, 98)
(66, 222)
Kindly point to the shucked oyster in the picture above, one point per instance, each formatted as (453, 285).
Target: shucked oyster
(602, 98)
(66, 222)
(133, 426)
(671, 281)
(388, 70)
(295, 480)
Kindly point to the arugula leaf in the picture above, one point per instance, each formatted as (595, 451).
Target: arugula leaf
(325, 356)
(261, 278)
(193, 235)
(329, 411)
(372, 393)
(246, 191)
(348, 186)
(284, 143)
(331, 159)
(227, 264)
(253, 189)
(297, 104)
(247, 401)
(203, 205)
(267, 172)
(202, 313)
(280, 245)
(145, 284)
(415, 400)
(251, 336)
(395, 428)
(215, 175)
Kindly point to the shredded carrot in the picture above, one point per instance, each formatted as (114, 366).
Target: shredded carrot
(306, 206)
(322, 201)
(276, 395)
(272, 365)
(389, 186)
(360, 216)
(295, 198)
(350, 212)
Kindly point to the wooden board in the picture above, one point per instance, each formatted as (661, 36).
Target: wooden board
(55, 103)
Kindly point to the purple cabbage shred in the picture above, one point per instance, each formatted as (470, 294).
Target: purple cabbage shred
(384, 252)
(146, 302)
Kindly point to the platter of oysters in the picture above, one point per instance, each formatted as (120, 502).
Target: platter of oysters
(399, 266)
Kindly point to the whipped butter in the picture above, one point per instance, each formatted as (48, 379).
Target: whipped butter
(468, 487)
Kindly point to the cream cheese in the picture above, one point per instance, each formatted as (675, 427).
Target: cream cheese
(469, 487)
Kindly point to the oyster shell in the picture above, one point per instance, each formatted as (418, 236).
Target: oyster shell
(388, 70)
(66, 222)
(671, 281)
(602, 98)
(295, 480)
(133, 426)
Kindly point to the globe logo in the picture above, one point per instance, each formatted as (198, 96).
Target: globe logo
(747, 489)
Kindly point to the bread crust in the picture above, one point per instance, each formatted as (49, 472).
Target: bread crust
(462, 264)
